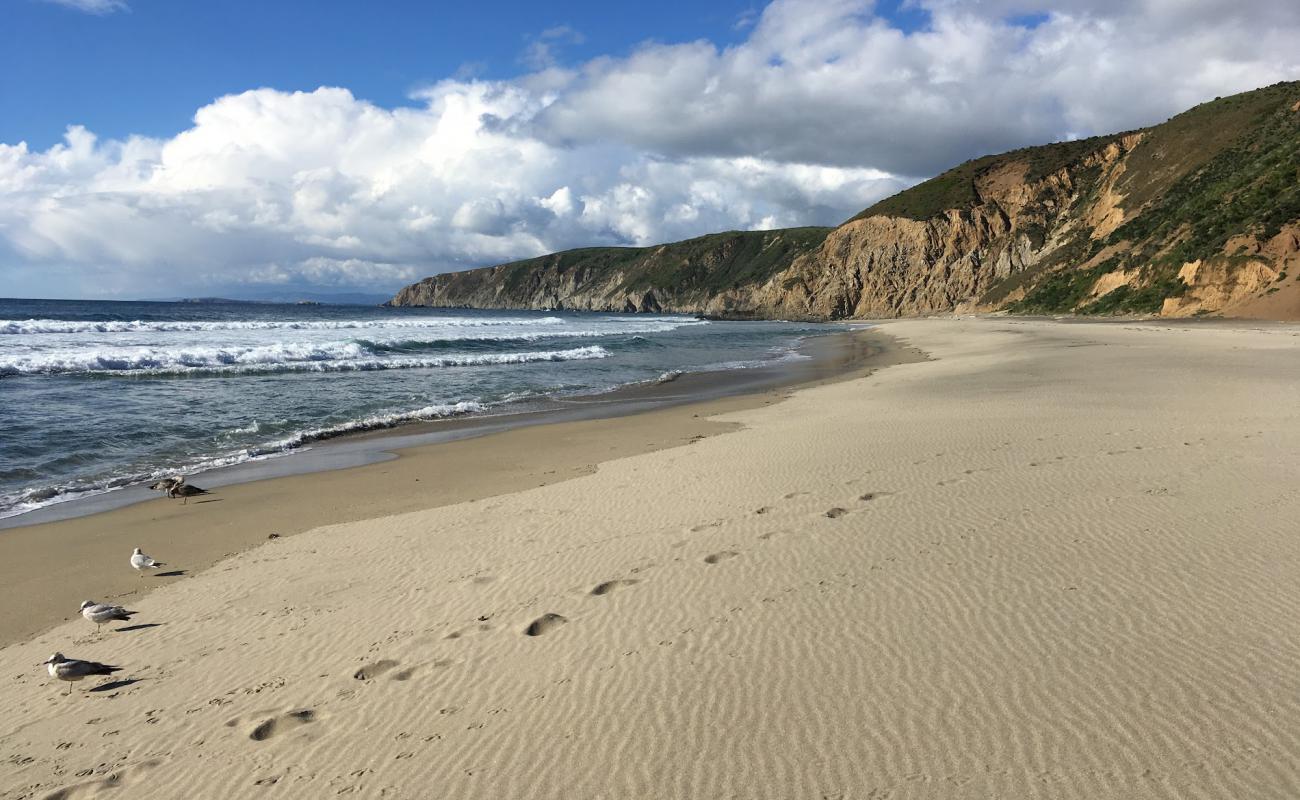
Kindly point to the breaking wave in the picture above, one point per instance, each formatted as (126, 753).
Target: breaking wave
(32, 499)
(30, 326)
(261, 360)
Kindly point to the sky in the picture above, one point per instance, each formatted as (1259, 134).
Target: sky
(163, 148)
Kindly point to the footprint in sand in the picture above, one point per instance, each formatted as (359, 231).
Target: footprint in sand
(275, 725)
(405, 675)
(723, 556)
(836, 513)
(609, 586)
(544, 624)
(483, 626)
(372, 671)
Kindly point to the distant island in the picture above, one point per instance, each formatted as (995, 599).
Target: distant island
(1196, 216)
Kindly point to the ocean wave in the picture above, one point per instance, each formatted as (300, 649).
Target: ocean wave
(32, 499)
(266, 359)
(372, 423)
(31, 326)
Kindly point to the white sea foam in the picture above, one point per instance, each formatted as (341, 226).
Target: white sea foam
(30, 326)
(372, 423)
(292, 357)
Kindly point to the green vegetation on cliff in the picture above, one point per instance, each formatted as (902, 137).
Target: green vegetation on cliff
(1246, 180)
(1225, 168)
(955, 189)
(712, 263)
(722, 261)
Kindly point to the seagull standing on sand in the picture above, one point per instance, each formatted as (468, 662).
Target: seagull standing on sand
(99, 613)
(141, 562)
(182, 489)
(71, 670)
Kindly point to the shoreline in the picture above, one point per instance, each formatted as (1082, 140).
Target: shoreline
(819, 354)
(379, 473)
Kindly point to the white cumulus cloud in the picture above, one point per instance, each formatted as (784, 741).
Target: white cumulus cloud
(93, 6)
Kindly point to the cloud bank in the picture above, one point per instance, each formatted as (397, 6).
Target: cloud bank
(99, 7)
(821, 110)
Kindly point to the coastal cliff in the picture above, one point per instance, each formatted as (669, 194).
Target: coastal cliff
(1199, 215)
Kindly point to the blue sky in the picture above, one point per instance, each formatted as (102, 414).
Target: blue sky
(147, 68)
(144, 69)
(251, 147)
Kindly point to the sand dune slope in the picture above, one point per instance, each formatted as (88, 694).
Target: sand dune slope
(1056, 561)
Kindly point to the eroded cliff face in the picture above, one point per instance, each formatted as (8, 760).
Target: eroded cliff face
(886, 266)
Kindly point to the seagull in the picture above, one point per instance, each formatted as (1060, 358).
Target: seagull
(142, 562)
(99, 613)
(165, 485)
(182, 489)
(71, 669)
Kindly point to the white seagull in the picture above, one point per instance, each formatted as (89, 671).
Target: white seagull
(71, 670)
(99, 613)
(142, 562)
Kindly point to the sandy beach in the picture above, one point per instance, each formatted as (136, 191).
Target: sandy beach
(1051, 560)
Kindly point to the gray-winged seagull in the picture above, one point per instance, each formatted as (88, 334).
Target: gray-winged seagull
(74, 669)
(99, 613)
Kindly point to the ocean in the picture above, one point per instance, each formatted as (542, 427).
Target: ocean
(95, 396)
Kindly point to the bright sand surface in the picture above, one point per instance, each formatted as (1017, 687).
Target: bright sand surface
(1057, 561)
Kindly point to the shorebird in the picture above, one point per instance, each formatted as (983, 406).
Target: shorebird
(182, 489)
(71, 670)
(99, 613)
(165, 485)
(141, 562)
